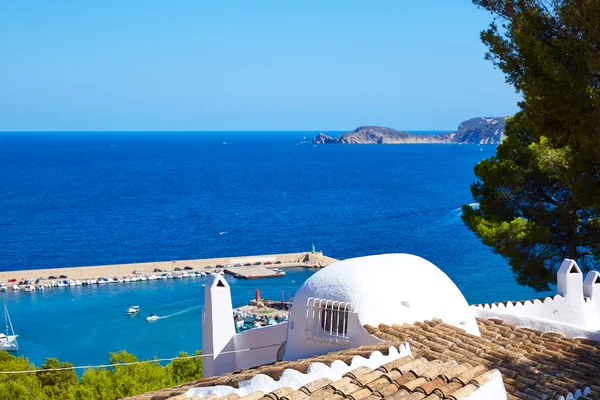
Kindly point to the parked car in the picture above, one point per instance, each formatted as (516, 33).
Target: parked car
(219, 265)
(258, 263)
(188, 268)
(157, 270)
(177, 269)
(62, 277)
(13, 280)
(277, 262)
(268, 262)
(209, 267)
(247, 264)
(238, 265)
(52, 277)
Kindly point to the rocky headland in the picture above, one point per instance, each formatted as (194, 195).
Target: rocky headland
(484, 130)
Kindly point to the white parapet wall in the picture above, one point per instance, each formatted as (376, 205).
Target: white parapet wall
(574, 311)
(263, 345)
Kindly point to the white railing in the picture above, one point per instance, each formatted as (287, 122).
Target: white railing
(327, 321)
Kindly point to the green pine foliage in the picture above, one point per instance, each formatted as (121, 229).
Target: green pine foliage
(539, 195)
(111, 383)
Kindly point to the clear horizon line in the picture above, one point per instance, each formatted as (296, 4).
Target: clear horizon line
(207, 130)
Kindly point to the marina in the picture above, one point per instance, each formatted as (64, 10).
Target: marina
(244, 267)
(78, 323)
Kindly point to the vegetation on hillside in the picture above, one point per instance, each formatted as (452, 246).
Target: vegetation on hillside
(539, 195)
(95, 384)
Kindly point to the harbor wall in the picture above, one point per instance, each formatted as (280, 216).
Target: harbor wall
(288, 260)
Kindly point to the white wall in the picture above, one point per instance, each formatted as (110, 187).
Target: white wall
(574, 311)
(268, 338)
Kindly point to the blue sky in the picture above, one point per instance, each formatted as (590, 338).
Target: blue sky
(245, 65)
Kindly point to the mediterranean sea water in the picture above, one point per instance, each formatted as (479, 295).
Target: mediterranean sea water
(69, 199)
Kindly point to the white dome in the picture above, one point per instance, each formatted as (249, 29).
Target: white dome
(390, 289)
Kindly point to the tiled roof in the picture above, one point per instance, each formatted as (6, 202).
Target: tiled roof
(534, 364)
(405, 376)
(448, 364)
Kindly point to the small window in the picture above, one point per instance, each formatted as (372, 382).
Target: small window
(334, 320)
(327, 321)
(597, 279)
(220, 283)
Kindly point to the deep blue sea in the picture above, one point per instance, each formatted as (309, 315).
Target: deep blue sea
(69, 199)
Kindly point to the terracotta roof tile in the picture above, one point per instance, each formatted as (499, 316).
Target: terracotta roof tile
(449, 364)
(534, 364)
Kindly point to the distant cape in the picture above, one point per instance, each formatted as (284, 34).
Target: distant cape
(483, 130)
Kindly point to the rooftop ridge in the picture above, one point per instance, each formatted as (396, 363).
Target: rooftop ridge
(296, 380)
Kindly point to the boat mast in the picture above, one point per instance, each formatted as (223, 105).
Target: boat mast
(7, 321)
(5, 316)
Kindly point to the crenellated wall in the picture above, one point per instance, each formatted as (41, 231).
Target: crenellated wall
(574, 311)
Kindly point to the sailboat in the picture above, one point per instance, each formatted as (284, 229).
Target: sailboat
(8, 340)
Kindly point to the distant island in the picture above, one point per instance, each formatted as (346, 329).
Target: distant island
(484, 130)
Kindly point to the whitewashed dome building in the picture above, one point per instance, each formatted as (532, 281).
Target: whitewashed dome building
(333, 305)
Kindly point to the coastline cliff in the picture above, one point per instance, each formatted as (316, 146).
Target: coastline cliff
(483, 130)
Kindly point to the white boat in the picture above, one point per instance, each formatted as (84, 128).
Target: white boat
(152, 317)
(41, 287)
(102, 281)
(126, 279)
(3, 287)
(8, 340)
(16, 287)
(143, 278)
(239, 324)
(133, 310)
(71, 283)
(77, 282)
(279, 271)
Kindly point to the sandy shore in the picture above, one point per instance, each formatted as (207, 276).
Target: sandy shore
(119, 270)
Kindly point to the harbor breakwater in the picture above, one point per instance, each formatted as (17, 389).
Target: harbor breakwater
(40, 279)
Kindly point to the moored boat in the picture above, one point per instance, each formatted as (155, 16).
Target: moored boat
(8, 339)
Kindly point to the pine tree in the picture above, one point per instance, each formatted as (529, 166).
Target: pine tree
(539, 195)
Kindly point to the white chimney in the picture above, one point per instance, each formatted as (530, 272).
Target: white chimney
(218, 327)
(570, 280)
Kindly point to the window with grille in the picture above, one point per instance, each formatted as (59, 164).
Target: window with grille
(327, 321)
